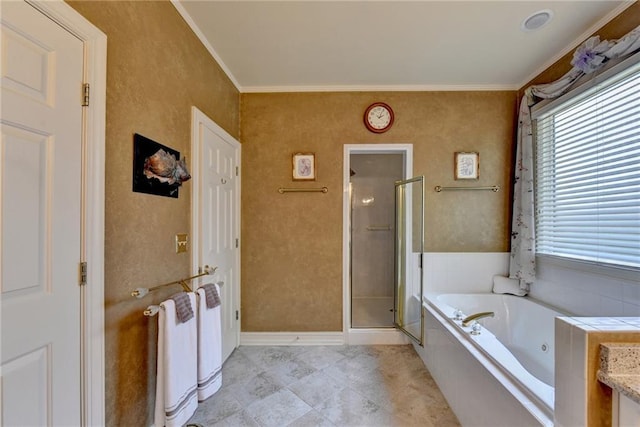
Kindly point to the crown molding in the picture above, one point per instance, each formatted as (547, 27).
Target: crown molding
(394, 88)
(379, 88)
(198, 32)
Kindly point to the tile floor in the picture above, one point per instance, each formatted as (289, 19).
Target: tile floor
(326, 386)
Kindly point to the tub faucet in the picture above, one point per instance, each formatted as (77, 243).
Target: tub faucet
(467, 320)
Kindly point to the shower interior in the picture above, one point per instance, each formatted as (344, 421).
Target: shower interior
(373, 178)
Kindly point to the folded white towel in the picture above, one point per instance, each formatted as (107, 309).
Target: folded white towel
(505, 285)
(177, 374)
(209, 347)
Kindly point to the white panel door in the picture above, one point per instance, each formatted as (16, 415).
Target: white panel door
(218, 156)
(40, 178)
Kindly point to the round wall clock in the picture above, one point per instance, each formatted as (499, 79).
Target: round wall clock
(378, 117)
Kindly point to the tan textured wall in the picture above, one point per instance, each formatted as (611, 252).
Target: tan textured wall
(292, 243)
(157, 69)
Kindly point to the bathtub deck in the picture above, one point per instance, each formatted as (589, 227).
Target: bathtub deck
(326, 386)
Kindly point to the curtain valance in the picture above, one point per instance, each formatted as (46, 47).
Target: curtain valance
(591, 56)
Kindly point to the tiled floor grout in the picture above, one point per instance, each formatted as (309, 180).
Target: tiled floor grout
(325, 386)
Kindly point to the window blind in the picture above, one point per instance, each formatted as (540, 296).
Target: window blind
(588, 175)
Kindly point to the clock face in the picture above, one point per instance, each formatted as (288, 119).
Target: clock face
(378, 117)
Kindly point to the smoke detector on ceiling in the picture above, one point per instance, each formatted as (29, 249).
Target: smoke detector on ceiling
(537, 20)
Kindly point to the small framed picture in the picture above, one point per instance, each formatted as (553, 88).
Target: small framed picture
(304, 167)
(467, 165)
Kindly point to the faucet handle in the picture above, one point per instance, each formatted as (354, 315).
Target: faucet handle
(475, 328)
(457, 314)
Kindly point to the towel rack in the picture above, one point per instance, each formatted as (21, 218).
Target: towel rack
(140, 292)
(282, 190)
(439, 189)
(152, 310)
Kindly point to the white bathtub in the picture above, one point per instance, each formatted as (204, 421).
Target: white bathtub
(505, 375)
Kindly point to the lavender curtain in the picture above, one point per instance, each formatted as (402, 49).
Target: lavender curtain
(591, 56)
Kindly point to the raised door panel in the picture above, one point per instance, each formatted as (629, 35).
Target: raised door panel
(219, 224)
(41, 205)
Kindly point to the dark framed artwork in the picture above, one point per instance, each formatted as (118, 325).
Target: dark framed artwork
(157, 169)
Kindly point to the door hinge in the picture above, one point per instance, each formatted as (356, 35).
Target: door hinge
(237, 243)
(237, 170)
(237, 315)
(83, 273)
(85, 95)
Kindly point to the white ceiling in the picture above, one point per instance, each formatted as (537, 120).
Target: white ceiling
(388, 45)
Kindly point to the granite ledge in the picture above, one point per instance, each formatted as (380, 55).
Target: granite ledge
(620, 368)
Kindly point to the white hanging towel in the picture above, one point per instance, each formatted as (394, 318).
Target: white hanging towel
(209, 341)
(505, 285)
(177, 375)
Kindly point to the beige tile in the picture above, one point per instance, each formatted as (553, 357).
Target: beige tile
(312, 419)
(239, 419)
(221, 405)
(238, 369)
(256, 388)
(316, 388)
(291, 371)
(351, 408)
(356, 350)
(321, 357)
(270, 357)
(278, 409)
(326, 386)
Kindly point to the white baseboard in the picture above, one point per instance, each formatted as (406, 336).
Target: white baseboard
(291, 338)
(388, 336)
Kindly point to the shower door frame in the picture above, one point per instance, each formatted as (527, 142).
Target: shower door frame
(405, 236)
(357, 336)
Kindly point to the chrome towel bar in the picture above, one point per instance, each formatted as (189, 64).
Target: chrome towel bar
(152, 310)
(140, 292)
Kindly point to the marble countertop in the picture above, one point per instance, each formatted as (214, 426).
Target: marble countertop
(620, 368)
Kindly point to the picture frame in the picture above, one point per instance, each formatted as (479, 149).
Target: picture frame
(304, 167)
(151, 157)
(467, 165)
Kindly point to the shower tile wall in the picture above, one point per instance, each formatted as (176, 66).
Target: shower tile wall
(372, 237)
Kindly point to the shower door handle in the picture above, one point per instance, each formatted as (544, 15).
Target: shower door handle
(379, 228)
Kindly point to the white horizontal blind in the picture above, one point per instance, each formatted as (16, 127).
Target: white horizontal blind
(588, 175)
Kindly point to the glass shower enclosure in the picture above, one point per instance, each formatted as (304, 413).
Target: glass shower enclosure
(372, 189)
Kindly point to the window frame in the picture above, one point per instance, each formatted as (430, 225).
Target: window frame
(586, 86)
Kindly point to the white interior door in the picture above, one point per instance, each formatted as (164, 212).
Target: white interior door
(216, 207)
(41, 204)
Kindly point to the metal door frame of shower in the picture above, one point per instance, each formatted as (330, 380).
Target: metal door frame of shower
(402, 208)
(357, 336)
